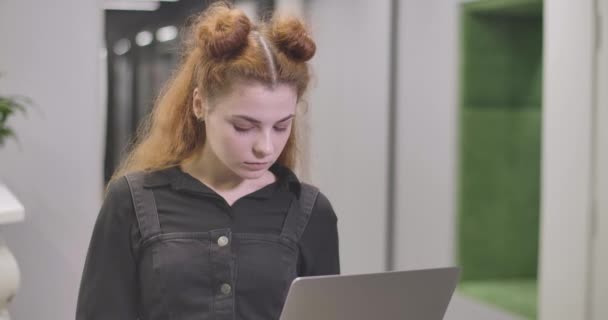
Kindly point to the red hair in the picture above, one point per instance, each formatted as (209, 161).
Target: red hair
(222, 47)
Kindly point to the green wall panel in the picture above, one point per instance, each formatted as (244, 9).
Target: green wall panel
(502, 61)
(499, 204)
(500, 139)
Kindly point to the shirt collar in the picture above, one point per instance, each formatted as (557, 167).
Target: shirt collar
(182, 181)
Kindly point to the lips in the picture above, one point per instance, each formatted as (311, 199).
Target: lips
(256, 165)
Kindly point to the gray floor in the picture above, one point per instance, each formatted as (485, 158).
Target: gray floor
(464, 308)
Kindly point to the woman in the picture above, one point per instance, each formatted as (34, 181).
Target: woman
(205, 219)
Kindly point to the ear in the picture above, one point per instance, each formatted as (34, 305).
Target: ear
(198, 105)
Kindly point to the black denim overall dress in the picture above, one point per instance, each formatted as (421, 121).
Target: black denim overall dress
(195, 275)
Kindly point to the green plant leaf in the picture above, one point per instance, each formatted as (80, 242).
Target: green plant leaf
(5, 132)
(9, 105)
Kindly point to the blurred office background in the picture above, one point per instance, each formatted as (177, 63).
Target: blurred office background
(444, 132)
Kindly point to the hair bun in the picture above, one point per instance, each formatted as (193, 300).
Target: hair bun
(222, 31)
(291, 37)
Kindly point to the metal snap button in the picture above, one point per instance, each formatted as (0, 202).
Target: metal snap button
(222, 241)
(226, 289)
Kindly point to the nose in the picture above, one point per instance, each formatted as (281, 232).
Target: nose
(263, 146)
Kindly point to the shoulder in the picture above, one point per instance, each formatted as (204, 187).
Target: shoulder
(118, 195)
(322, 208)
(117, 201)
(117, 188)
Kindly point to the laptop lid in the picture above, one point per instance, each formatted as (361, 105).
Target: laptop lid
(416, 294)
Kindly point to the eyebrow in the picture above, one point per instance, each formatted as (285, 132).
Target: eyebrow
(258, 121)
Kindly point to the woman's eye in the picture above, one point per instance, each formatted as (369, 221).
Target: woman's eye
(281, 129)
(242, 129)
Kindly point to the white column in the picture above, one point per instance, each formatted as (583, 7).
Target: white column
(427, 109)
(599, 283)
(566, 222)
(349, 114)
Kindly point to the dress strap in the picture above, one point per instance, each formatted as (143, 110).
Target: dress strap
(299, 212)
(145, 206)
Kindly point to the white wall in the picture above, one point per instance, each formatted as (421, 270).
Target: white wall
(427, 106)
(349, 116)
(566, 160)
(599, 307)
(50, 53)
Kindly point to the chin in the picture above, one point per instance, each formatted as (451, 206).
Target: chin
(249, 174)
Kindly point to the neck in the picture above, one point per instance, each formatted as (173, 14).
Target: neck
(206, 167)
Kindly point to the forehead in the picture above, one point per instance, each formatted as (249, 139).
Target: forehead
(258, 101)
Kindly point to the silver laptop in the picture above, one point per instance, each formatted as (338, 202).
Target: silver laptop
(417, 295)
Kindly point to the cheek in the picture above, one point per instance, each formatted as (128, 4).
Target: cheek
(281, 141)
(234, 143)
(223, 140)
